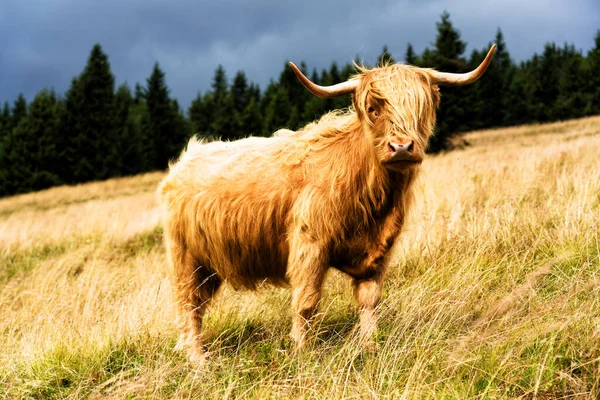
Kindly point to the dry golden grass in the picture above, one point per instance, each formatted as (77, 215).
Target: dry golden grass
(496, 291)
(121, 207)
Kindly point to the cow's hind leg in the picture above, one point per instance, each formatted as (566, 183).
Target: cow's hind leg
(194, 286)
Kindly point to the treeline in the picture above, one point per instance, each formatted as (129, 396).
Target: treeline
(95, 131)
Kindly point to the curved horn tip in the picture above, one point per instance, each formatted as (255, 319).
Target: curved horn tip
(490, 53)
(488, 58)
(294, 68)
(460, 79)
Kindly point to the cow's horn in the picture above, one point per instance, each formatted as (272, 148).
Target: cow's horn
(325, 91)
(450, 79)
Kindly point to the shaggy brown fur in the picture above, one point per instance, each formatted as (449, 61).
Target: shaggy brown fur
(285, 209)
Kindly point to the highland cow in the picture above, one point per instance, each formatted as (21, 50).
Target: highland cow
(285, 209)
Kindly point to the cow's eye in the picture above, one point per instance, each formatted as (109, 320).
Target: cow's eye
(370, 109)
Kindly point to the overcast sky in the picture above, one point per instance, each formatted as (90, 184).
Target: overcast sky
(44, 43)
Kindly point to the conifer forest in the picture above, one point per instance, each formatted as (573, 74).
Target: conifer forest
(98, 130)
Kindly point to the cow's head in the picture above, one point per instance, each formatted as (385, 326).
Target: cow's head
(396, 105)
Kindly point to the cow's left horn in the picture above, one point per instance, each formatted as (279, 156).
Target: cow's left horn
(450, 79)
(336, 90)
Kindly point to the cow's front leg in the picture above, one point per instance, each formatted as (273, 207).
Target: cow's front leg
(306, 273)
(368, 294)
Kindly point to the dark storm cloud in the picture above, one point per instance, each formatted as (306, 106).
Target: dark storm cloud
(46, 43)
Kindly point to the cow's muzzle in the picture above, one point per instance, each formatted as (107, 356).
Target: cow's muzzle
(403, 153)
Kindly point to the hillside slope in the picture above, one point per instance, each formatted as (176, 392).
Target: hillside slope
(494, 292)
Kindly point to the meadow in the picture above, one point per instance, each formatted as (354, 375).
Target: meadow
(493, 292)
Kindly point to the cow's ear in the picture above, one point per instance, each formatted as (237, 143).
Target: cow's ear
(357, 108)
(435, 95)
(353, 99)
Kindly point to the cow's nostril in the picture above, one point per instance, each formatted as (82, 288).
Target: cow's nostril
(392, 148)
(410, 147)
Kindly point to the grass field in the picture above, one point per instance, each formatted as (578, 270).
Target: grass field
(494, 291)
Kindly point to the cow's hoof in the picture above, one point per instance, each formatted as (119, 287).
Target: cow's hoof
(197, 357)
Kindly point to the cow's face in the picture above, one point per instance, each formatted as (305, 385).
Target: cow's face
(397, 107)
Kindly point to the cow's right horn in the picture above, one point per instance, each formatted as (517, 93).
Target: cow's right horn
(326, 92)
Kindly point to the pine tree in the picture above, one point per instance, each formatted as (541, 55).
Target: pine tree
(71, 124)
(5, 114)
(181, 125)
(516, 98)
(252, 111)
(385, 58)
(19, 110)
(130, 141)
(410, 56)
(428, 58)
(265, 104)
(149, 147)
(507, 71)
(489, 92)
(253, 93)
(5, 121)
(321, 106)
(240, 98)
(315, 77)
(163, 124)
(592, 88)
(293, 120)
(532, 70)
(8, 184)
(30, 155)
(199, 113)
(159, 115)
(313, 106)
(219, 83)
(239, 90)
(92, 122)
(140, 95)
(138, 119)
(447, 56)
(347, 72)
(448, 44)
(548, 77)
(476, 102)
(571, 101)
(316, 106)
(5, 134)
(334, 78)
(221, 108)
(334, 74)
(252, 119)
(297, 94)
(278, 111)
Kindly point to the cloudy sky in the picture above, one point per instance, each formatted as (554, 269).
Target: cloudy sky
(44, 43)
